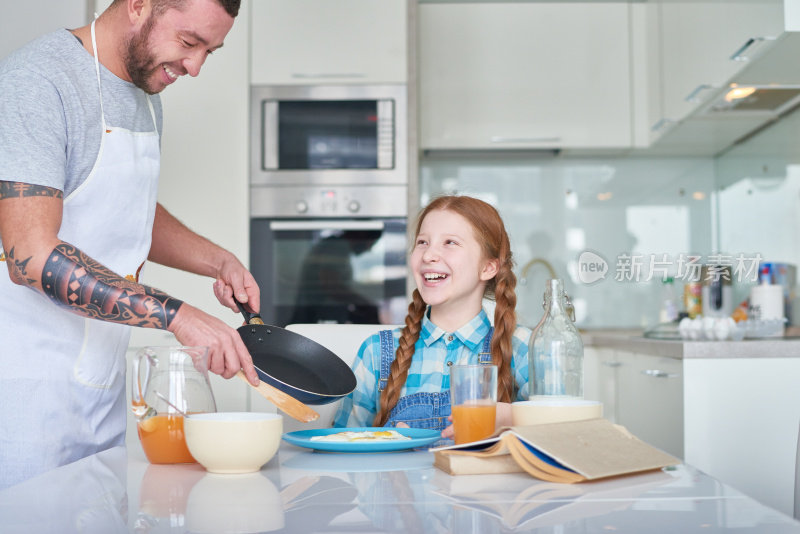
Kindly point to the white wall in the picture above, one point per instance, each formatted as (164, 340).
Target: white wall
(24, 21)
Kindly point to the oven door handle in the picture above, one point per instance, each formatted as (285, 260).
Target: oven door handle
(325, 225)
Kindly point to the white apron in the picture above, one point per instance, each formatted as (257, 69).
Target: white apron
(62, 376)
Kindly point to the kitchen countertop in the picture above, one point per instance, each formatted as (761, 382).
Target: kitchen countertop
(300, 491)
(634, 341)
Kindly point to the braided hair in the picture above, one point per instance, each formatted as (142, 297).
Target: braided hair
(491, 234)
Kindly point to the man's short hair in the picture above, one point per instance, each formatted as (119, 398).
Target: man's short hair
(231, 7)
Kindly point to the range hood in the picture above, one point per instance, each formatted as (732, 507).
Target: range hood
(768, 88)
(755, 100)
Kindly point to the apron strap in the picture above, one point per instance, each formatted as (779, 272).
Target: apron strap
(152, 113)
(97, 72)
(100, 87)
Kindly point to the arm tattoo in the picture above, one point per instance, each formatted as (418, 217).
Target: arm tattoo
(18, 269)
(20, 190)
(71, 278)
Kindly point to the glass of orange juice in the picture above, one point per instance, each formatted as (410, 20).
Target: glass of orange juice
(473, 400)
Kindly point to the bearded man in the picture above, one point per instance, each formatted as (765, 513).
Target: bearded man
(80, 127)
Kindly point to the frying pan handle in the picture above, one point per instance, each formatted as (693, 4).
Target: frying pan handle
(249, 317)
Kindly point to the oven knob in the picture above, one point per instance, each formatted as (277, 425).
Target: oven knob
(353, 206)
(301, 206)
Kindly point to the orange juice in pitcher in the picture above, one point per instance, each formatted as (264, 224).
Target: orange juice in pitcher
(163, 440)
(167, 382)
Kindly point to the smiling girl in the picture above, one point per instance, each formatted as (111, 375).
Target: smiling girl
(461, 255)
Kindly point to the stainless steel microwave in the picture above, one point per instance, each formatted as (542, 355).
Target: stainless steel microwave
(328, 135)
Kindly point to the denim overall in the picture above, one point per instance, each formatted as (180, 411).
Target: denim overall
(421, 410)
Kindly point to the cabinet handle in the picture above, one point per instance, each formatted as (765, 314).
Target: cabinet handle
(501, 139)
(656, 373)
(322, 75)
(289, 226)
(612, 364)
(740, 54)
(694, 96)
(661, 124)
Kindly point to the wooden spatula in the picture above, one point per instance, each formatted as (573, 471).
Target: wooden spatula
(284, 401)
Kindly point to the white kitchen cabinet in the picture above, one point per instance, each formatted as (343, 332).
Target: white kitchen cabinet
(650, 399)
(600, 379)
(742, 424)
(524, 75)
(699, 43)
(325, 42)
(641, 392)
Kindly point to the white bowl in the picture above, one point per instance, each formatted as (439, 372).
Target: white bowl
(233, 442)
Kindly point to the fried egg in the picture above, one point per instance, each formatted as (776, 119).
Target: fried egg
(368, 435)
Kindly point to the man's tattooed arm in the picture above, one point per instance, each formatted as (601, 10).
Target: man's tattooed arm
(18, 269)
(71, 278)
(19, 189)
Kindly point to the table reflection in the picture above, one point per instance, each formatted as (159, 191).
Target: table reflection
(85, 496)
(240, 503)
(163, 495)
(520, 502)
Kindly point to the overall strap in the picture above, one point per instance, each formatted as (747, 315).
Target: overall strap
(387, 357)
(485, 355)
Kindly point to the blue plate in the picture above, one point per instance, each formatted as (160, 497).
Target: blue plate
(419, 438)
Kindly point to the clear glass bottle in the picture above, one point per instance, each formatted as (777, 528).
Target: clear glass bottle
(556, 355)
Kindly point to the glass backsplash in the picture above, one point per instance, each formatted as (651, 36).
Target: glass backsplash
(758, 185)
(638, 218)
(642, 218)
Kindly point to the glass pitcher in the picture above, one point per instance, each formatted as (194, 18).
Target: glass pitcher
(166, 383)
(556, 352)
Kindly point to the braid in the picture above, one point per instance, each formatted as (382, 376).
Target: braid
(505, 323)
(398, 372)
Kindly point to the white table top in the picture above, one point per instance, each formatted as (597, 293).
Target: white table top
(301, 491)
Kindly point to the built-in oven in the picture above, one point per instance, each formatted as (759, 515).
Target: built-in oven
(328, 203)
(324, 268)
(328, 135)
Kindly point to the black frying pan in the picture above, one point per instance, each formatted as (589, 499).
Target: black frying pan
(295, 364)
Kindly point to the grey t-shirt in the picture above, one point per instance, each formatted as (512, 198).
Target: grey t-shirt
(50, 120)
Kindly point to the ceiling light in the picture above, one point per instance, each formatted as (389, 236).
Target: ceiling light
(737, 93)
(604, 196)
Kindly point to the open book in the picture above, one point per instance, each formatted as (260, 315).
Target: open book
(566, 452)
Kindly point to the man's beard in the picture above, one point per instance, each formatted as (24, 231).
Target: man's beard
(139, 61)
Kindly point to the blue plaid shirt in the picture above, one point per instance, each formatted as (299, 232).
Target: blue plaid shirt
(429, 371)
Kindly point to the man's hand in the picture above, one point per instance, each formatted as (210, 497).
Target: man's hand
(233, 280)
(226, 350)
(175, 245)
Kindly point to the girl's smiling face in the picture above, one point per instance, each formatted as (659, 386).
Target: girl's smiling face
(449, 268)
